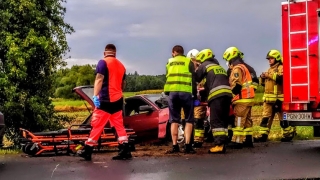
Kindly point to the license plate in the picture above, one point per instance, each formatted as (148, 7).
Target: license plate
(297, 116)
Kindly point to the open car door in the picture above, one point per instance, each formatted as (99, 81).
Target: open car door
(141, 116)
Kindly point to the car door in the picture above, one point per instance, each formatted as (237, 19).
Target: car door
(144, 123)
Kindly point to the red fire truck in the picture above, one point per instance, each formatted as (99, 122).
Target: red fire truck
(300, 47)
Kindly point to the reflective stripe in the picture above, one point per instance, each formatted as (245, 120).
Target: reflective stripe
(274, 76)
(198, 133)
(91, 140)
(264, 130)
(218, 90)
(270, 98)
(212, 95)
(248, 131)
(180, 74)
(237, 131)
(123, 138)
(219, 132)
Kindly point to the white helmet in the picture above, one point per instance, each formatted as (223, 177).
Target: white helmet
(192, 53)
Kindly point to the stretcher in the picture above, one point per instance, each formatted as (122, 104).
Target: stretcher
(69, 140)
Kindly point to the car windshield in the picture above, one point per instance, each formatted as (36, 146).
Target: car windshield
(159, 98)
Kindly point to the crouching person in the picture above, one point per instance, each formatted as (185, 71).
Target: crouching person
(110, 72)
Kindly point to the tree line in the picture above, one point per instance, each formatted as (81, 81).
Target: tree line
(68, 78)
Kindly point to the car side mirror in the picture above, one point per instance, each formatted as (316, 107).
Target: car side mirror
(145, 108)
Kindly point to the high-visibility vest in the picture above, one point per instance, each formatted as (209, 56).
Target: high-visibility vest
(179, 78)
(247, 92)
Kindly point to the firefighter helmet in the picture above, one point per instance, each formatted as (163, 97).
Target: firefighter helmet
(231, 53)
(192, 53)
(273, 53)
(204, 55)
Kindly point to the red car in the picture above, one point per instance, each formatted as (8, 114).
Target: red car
(142, 113)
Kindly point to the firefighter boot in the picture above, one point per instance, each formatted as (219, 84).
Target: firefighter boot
(124, 152)
(288, 134)
(188, 149)
(86, 152)
(248, 142)
(217, 149)
(263, 130)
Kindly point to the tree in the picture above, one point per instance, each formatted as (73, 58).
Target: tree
(33, 43)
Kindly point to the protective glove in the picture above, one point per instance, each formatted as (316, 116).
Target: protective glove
(196, 102)
(96, 101)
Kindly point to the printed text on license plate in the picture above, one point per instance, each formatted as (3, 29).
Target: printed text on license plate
(297, 116)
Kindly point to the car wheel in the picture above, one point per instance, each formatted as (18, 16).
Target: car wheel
(180, 134)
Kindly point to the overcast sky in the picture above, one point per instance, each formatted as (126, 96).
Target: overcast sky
(145, 31)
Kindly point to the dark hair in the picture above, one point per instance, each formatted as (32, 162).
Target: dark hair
(110, 47)
(178, 49)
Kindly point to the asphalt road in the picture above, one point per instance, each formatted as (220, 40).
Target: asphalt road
(300, 159)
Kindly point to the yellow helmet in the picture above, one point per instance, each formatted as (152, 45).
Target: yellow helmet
(273, 53)
(231, 53)
(204, 55)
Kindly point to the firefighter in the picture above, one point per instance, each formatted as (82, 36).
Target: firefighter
(181, 88)
(255, 83)
(199, 111)
(243, 100)
(219, 97)
(272, 80)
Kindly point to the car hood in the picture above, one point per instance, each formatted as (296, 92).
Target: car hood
(86, 93)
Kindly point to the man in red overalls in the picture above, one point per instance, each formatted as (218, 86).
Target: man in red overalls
(108, 100)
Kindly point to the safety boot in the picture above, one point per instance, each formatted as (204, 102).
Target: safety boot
(288, 134)
(217, 149)
(175, 149)
(188, 149)
(124, 152)
(248, 142)
(263, 138)
(86, 153)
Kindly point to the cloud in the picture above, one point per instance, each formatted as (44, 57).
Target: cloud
(144, 31)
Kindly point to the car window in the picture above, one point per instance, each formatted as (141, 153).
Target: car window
(160, 100)
(132, 106)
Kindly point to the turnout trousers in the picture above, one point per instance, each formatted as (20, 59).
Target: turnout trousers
(219, 114)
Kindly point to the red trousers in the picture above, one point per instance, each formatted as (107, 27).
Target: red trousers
(99, 121)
